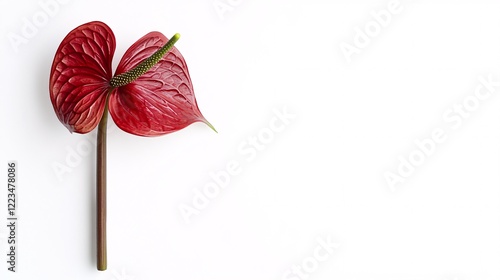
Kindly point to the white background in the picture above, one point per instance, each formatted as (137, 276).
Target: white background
(320, 177)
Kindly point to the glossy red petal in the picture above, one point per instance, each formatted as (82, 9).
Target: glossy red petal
(162, 99)
(80, 74)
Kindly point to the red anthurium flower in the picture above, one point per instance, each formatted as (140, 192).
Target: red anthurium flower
(151, 94)
(158, 102)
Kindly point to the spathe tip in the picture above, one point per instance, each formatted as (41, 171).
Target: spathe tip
(210, 125)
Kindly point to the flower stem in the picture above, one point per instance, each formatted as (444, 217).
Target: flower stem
(145, 65)
(101, 191)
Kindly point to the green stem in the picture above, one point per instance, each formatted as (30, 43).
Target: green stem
(116, 81)
(101, 191)
(144, 66)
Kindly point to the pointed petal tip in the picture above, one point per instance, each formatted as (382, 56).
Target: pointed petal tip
(210, 125)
